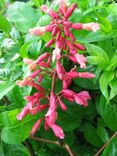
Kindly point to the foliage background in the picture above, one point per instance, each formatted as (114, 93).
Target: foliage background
(86, 129)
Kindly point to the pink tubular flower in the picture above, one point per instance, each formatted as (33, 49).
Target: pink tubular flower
(56, 54)
(62, 105)
(38, 31)
(74, 74)
(26, 81)
(60, 70)
(23, 113)
(35, 127)
(91, 26)
(81, 60)
(82, 98)
(51, 114)
(68, 93)
(58, 131)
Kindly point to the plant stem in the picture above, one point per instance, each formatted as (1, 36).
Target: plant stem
(29, 147)
(106, 144)
(45, 140)
(66, 146)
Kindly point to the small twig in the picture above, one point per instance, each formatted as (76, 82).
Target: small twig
(102, 148)
(45, 140)
(66, 146)
(29, 147)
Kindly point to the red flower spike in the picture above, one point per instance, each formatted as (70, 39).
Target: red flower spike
(60, 28)
(77, 74)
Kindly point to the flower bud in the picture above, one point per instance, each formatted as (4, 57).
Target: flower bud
(50, 12)
(49, 43)
(23, 113)
(35, 127)
(79, 46)
(42, 57)
(62, 105)
(70, 10)
(77, 26)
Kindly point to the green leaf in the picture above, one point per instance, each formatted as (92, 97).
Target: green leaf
(102, 133)
(113, 86)
(91, 135)
(24, 49)
(108, 112)
(111, 149)
(16, 150)
(97, 55)
(4, 24)
(23, 15)
(16, 97)
(38, 2)
(105, 24)
(113, 8)
(14, 131)
(5, 88)
(104, 81)
(70, 119)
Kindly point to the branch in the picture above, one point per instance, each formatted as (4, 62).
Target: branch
(66, 146)
(29, 147)
(106, 144)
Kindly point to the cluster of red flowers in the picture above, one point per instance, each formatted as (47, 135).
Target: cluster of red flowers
(65, 46)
